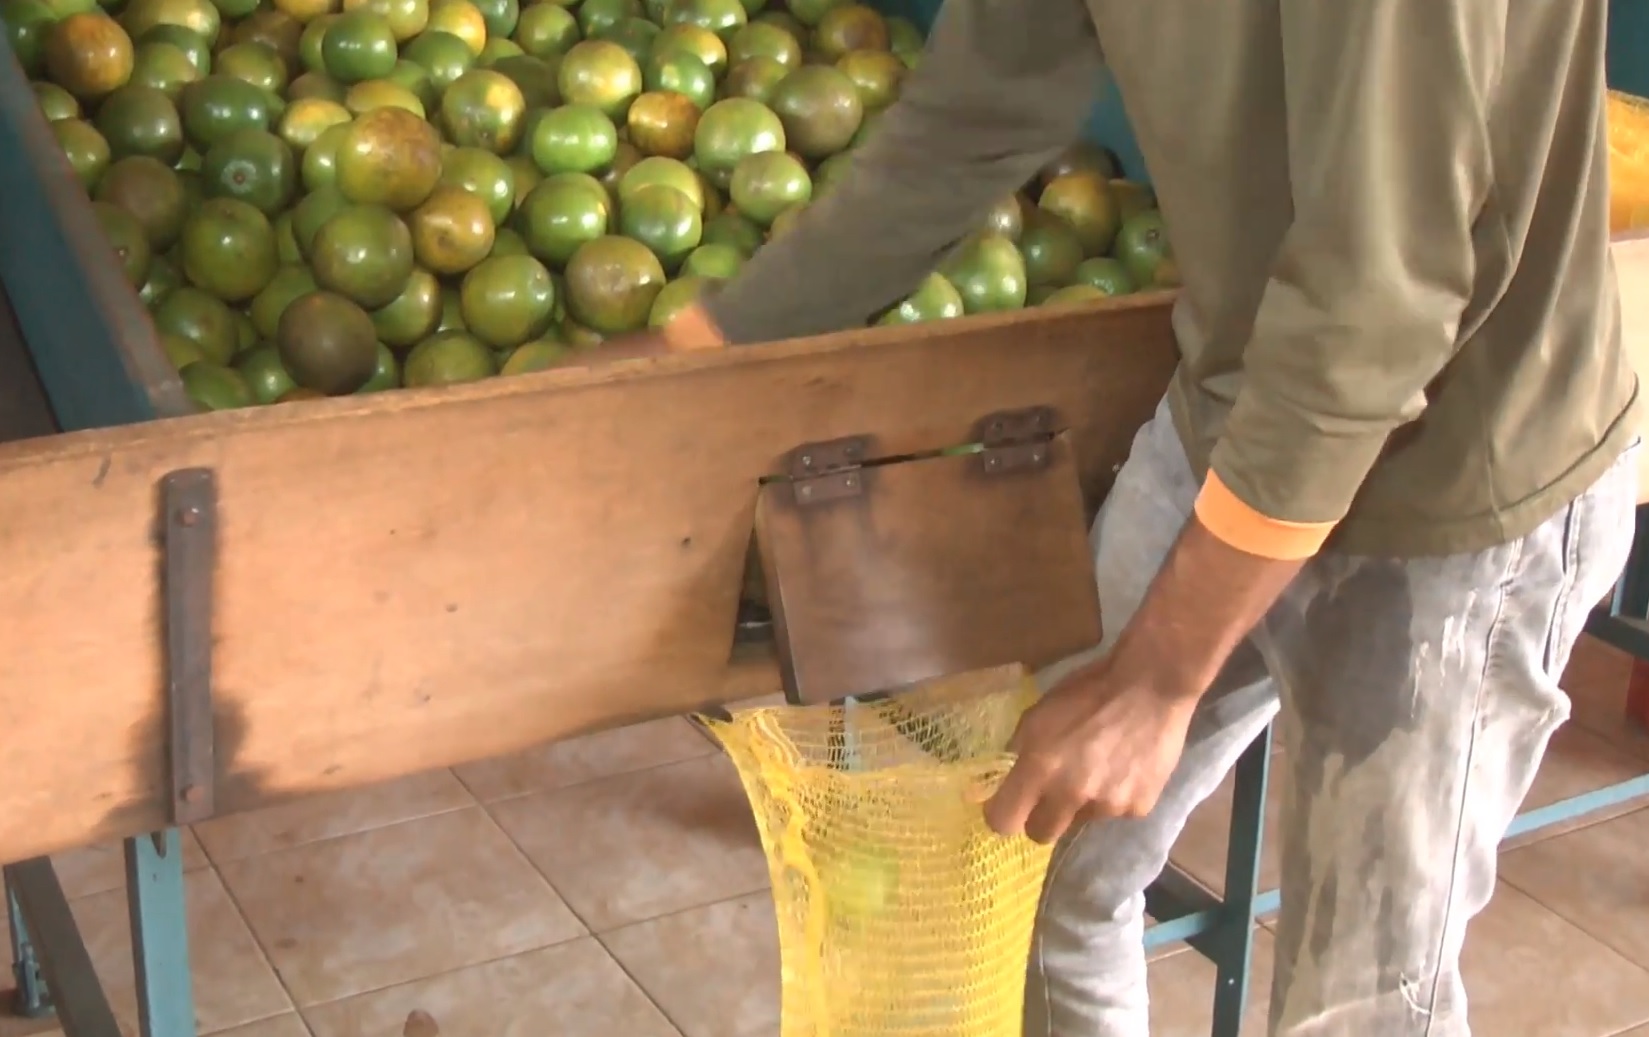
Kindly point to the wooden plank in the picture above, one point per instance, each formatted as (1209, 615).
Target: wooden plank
(927, 568)
(422, 578)
(1632, 271)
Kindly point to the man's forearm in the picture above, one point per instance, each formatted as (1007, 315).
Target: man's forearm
(1001, 89)
(1206, 598)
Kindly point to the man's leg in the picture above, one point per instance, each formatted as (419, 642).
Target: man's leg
(1087, 968)
(1418, 699)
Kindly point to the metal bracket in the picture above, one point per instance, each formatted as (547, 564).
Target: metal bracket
(828, 471)
(189, 524)
(1015, 440)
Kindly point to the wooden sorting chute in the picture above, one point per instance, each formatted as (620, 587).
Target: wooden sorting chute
(419, 579)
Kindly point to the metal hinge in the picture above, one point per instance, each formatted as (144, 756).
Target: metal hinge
(1016, 440)
(828, 471)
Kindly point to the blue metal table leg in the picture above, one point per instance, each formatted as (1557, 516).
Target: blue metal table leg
(1231, 942)
(160, 934)
(30, 1000)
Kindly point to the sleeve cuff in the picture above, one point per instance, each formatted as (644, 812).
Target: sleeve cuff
(693, 329)
(1240, 526)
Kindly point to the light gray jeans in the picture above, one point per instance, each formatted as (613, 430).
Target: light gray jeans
(1417, 699)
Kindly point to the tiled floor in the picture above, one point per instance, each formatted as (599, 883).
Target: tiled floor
(613, 885)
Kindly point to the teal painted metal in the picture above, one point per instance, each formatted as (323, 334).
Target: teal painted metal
(1629, 46)
(93, 345)
(160, 938)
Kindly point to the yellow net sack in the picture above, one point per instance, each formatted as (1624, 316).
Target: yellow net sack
(1628, 162)
(900, 913)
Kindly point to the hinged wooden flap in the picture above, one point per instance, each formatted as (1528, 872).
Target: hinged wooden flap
(887, 574)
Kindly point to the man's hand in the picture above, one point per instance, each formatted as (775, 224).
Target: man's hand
(1101, 744)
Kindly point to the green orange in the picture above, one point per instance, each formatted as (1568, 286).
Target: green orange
(373, 94)
(441, 54)
(320, 159)
(86, 149)
(265, 375)
(848, 28)
(1051, 249)
(764, 40)
(388, 157)
(612, 283)
(485, 175)
(484, 109)
(602, 74)
(200, 318)
(575, 138)
(359, 45)
(667, 171)
(254, 166)
(141, 120)
(452, 231)
(1105, 273)
(562, 214)
(312, 213)
(1142, 245)
(820, 109)
(219, 105)
(935, 299)
(717, 261)
(327, 343)
(597, 16)
(215, 387)
(89, 55)
(989, 274)
(406, 18)
(754, 78)
(663, 123)
(539, 355)
(151, 192)
(722, 17)
(462, 19)
(729, 131)
(163, 66)
(663, 219)
(306, 118)
(769, 182)
(507, 300)
(126, 237)
(289, 283)
(448, 358)
(363, 253)
(228, 249)
(414, 315)
(55, 102)
(682, 72)
(675, 297)
(1083, 200)
(546, 29)
(256, 63)
(635, 35)
(696, 40)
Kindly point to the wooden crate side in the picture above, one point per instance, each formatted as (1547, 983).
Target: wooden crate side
(420, 579)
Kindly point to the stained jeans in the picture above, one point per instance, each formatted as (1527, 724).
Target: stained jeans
(1416, 697)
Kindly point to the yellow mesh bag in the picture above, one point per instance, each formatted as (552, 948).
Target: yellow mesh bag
(1628, 162)
(900, 913)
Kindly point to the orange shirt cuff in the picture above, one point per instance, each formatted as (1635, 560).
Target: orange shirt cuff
(693, 329)
(1245, 529)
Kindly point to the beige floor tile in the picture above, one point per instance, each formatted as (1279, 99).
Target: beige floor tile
(1595, 878)
(1517, 950)
(12, 1026)
(233, 982)
(1596, 682)
(97, 869)
(315, 818)
(733, 992)
(572, 990)
(637, 846)
(288, 1025)
(396, 904)
(577, 760)
(1579, 761)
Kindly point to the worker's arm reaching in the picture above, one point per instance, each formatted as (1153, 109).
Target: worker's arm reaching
(1391, 177)
(1000, 91)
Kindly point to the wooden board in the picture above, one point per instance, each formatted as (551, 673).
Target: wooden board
(418, 579)
(927, 568)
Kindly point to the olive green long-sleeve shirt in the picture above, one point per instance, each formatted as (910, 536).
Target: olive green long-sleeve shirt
(1390, 216)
